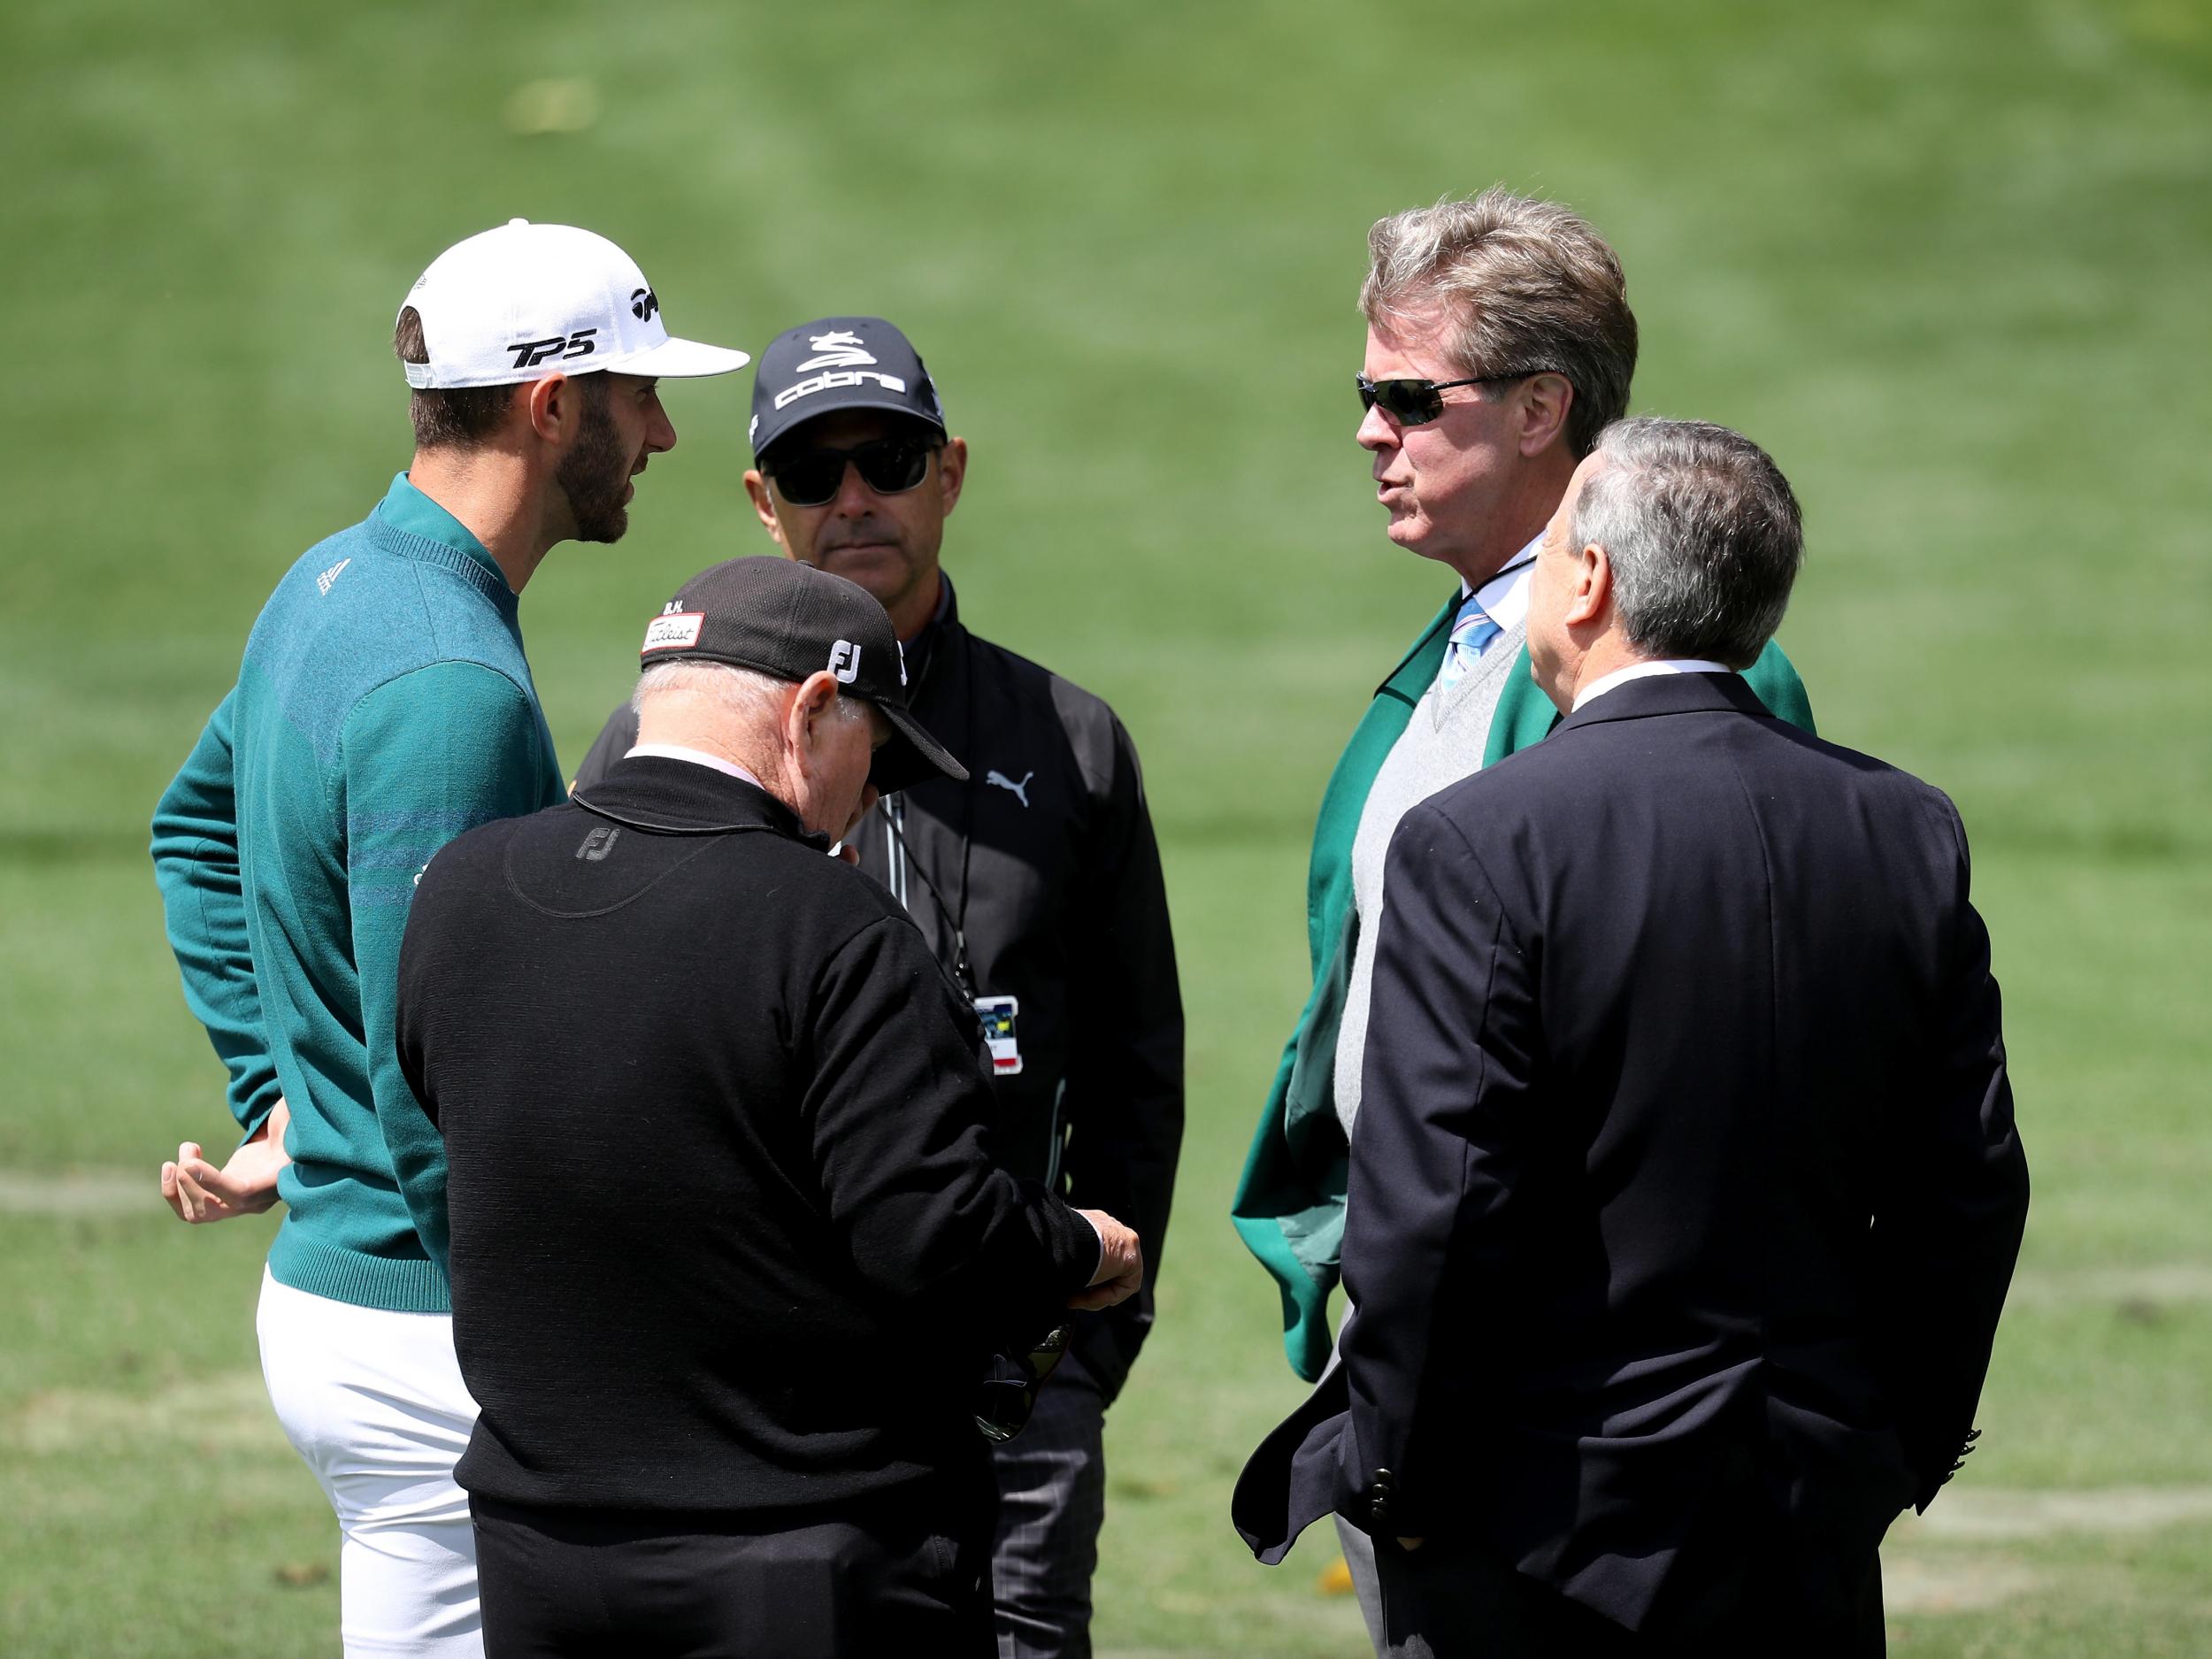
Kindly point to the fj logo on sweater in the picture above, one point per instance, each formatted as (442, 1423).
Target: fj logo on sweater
(597, 845)
(323, 581)
(845, 661)
(676, 632)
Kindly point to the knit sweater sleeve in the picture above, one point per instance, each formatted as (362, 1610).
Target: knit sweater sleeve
(196, 865)
(422, 758)
(897, 1110)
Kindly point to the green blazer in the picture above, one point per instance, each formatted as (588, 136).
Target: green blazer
(1289, 1206)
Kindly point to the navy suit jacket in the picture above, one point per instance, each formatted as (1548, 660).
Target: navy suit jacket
(1685, 1192)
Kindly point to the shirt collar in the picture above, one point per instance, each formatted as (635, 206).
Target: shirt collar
(1604, 683)
(696, 757)
(406, 509)
(671, 797)
(1504, 598)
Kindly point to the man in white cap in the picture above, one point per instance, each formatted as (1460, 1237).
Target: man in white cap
(384, 705)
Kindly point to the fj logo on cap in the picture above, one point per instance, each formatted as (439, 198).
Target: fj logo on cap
(845, 661)
(841, 350)
(679, 632)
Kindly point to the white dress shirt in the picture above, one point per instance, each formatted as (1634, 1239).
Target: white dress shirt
(1504, 598)
(1604, 683)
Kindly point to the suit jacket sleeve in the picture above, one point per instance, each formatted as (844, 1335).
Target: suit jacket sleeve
(1124, 1089)
(1947, 1230)
(897, 1108)
(1451, 1069)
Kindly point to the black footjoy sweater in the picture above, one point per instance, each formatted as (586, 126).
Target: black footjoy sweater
(726, 1237)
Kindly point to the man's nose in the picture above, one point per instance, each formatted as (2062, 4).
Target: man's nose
(1376, 431)
(660, 432)
(855, 499)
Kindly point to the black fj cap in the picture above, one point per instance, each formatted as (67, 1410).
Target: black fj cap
(780, 617)
(838, 363)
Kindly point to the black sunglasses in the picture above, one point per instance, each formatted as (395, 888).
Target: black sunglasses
(812, 478)
(1010, 1393)
(1416, 402)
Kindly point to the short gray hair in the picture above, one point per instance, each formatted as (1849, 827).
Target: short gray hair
(751, 696)
(1703, 535)
(1528, 285)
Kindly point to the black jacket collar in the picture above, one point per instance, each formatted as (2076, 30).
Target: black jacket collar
(680, 797)
(941, 629)
(1669, 693)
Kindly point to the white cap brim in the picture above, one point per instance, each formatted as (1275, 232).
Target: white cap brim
(681, 360)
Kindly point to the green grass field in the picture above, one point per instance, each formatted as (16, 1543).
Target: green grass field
(1948, 261)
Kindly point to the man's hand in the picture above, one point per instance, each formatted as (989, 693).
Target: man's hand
(1120, 1264)
(246, 1185)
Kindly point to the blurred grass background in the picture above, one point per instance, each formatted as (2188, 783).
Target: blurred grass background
(1948, 261)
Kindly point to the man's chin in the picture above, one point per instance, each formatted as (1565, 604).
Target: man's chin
(609, 526)
(1409, 533)
(881, 567)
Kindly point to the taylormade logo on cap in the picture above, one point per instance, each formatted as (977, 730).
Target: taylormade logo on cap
(526, 301)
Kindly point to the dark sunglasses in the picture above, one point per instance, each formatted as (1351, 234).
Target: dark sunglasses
(1010, 1393)
(1416, 402)
(889, 466)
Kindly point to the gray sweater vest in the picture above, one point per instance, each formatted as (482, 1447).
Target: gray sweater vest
(1443, 742)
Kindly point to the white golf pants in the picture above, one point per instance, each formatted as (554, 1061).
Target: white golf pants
(374, 1402)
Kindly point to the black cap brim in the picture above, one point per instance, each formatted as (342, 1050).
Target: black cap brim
(911, 755)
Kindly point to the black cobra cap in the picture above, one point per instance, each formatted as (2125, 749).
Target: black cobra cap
(771, 615)
(838, 363)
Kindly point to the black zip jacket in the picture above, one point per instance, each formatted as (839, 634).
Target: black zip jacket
(1046, 857)
(727, 1236)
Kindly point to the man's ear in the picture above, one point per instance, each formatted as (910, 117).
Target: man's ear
(1590, 590)
(553, 406)
(765, 506)
(952, 472)
(1544, 405)
(816, 699)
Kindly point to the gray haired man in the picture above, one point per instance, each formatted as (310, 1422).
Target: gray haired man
(1499, 341)
(1686, 1191)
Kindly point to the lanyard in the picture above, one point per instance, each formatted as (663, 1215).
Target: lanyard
(955, 917)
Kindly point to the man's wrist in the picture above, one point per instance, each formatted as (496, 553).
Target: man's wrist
(1099, 1265)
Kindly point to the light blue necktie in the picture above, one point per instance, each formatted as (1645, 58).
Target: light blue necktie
(1472, 630)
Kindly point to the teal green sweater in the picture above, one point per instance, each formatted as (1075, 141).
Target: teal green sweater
(384, 705)
(1290, 1205)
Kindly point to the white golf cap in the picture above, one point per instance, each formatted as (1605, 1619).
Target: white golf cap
(526, 301)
